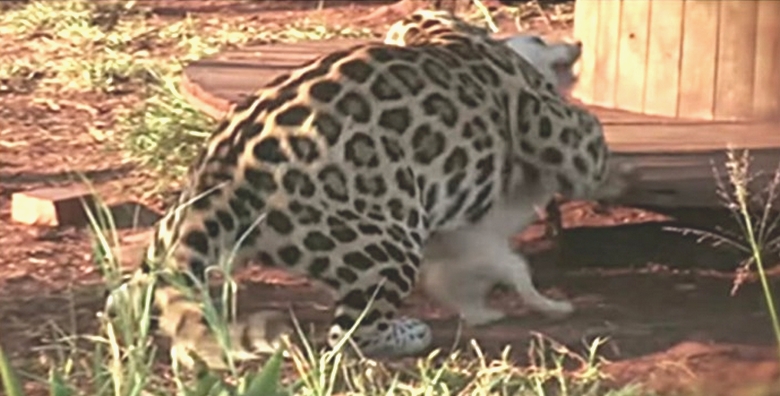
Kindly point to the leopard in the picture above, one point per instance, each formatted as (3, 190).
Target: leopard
(554, 61)
(344, 169)
(460, 268)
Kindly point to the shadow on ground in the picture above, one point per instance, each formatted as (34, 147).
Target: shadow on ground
(672, 324)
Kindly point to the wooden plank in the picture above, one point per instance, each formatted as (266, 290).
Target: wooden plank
(586, 22)
(221, 83)
(617, 116)
(674, 156)
(766, 100)
(685, 138)
(688, 179)
(697, 66)
(214, 87)
(736, 59)
(300, 50)
(663, 58)
(213, 84)
(634, 24)
(226, 77)
(703, 59)
(605, 71)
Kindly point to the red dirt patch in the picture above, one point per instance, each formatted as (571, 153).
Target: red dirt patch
(662, 299)
(718, 369)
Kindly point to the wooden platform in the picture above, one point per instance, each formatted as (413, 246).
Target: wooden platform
(674, 156)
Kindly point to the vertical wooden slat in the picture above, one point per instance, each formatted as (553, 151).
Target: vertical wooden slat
(736, 58)
(632, 49)
(702, 58)
(697, 67)
(606, 53)
(663, 57)
(586, 23)
(766, 91)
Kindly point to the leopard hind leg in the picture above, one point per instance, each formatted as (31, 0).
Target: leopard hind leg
(375, 275)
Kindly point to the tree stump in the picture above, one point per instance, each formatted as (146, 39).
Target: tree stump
(700, 59)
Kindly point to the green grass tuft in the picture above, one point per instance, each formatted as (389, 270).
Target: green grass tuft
(751, 201)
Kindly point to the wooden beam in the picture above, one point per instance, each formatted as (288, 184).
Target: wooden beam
(674, 156)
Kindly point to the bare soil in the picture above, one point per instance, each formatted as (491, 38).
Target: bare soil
(662, 299)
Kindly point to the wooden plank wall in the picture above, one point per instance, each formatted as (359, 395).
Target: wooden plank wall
(713, 60)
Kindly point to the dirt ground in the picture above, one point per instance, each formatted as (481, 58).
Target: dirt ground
(662, 300)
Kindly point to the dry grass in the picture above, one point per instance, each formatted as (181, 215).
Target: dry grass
(115, 49)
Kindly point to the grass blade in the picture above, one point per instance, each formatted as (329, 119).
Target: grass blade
(267, 382)
(11, 383)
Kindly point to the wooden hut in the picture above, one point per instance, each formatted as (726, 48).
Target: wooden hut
(700, 59)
